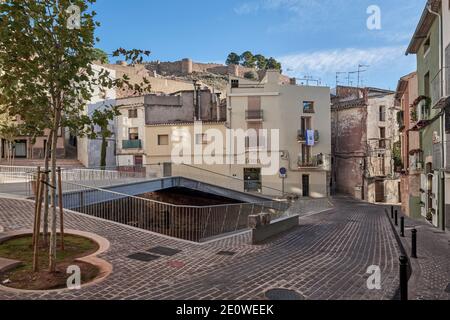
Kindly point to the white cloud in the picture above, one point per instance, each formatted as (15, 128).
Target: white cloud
(331, 61)
(247, 8)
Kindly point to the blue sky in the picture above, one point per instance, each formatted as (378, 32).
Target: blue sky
(310, 37)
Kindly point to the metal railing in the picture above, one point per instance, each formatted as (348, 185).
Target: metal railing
(317, 161)
(193, 223)
(131, 144)
(302, 135)
(18, 181)
(254, 115)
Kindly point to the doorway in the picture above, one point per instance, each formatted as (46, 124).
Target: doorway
(305, 185)
(379, 191)
(20, 149)
(252, 180)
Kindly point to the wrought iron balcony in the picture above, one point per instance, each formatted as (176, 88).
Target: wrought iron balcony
(254, 115)
(316, 162)
(131, 144)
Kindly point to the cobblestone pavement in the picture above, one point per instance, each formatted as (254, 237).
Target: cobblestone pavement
(326, 257)
(431, 271)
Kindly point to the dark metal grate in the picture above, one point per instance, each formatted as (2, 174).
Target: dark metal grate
(283, 295)
(226, 253)
(145, 257)
(164, 251)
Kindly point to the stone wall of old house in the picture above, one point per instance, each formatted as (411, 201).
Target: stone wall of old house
(180, 108)
(348, 145)
(136, 74)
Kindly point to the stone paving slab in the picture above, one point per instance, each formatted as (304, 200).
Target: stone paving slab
(326, 257)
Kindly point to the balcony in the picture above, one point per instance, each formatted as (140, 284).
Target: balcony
(436, 89)
(301, 136)
(254, 115)
(316, 162)
(131, 144)
(421, 112)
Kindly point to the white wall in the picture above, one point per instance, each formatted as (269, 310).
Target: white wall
(89, 150)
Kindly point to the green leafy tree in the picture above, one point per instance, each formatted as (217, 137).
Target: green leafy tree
(248, 60)
(261, 62)
(251, 75)
(101, 56)
(233, 58)
(272, 63)
(47, 54)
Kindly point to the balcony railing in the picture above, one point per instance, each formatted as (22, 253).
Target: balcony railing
(254, 115)
(131, 144)
(301, 136)
(436, 89)
(318, 162)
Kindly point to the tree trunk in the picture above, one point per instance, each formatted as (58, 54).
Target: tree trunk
(53, 182)
(103, 153)
(46, 191)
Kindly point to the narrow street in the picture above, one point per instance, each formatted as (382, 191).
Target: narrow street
(326, 257)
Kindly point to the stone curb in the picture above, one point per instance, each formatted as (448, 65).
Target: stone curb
(105, 268)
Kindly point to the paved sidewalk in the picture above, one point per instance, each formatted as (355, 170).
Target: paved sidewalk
(431, 271)
(325, 258)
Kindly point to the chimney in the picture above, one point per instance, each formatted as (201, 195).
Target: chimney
(273, 76)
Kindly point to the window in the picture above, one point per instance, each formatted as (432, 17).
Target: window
(133, 134)
(234, 83)
(426, 83)
(132, 113)
(201, 138)
(426, 46)
(305, 125)
(308, 107)
(163, 140)
(382, 113)
(382, 138)
(254, 111)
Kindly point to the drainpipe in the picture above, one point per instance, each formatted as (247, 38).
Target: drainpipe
(442, 117)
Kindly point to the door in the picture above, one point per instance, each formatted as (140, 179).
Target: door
(305, 185)
(252, 180)
(379, 191)
(167, 169)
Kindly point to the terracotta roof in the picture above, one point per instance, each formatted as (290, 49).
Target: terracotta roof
(424, 26)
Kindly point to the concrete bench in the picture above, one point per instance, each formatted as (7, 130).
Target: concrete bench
(263, 228)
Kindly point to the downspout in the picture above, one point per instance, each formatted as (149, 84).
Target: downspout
(442, 116)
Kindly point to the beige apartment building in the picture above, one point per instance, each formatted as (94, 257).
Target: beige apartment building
(296, 113)
(301, 114)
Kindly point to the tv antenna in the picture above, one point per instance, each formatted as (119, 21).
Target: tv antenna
(360, 71)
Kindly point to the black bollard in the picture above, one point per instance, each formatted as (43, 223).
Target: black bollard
(403, 278)
(414, 244)
(396, 218)
(392, 212)
(402, 227)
